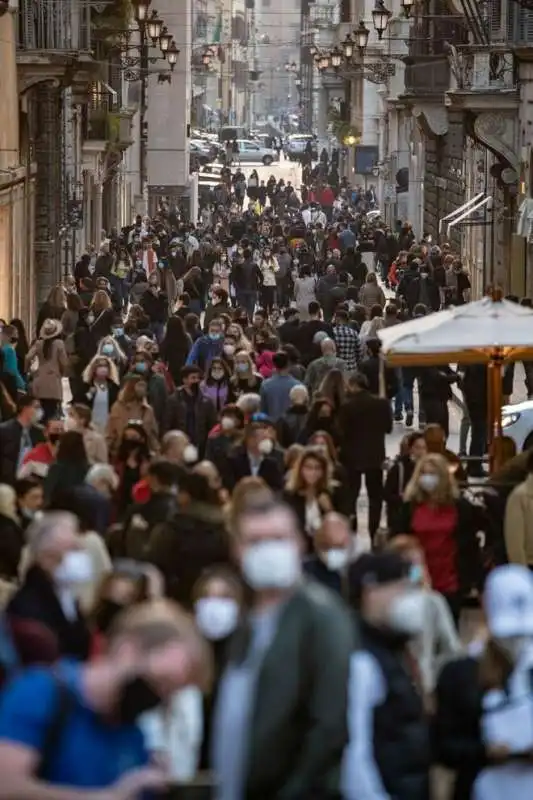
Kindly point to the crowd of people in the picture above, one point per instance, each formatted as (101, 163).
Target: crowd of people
(184, 439)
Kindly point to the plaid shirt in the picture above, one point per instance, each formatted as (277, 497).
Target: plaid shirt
(348, 345)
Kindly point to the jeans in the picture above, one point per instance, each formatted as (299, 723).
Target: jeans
(121, 288)
(158, 329)
(374, 489)
(195, 306)
(247, 299)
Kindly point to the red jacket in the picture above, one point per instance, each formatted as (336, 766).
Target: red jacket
(327, 198)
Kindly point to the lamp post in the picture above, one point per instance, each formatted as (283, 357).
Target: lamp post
(407, 6)
(141, 8)
(380, 17)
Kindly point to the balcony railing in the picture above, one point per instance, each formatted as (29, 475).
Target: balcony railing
(483, 71)
(58, 26)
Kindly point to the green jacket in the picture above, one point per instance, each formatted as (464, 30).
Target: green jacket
(299, 719)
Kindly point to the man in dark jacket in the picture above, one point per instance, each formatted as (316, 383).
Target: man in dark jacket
(309, 349)
(363, 422)
(389, 751)
(189, 411)
(247, 279)
(47, 594)
(424, 290)
(18, 436)
(333, 553)
(325, 289)
(370, 367)
(280, 717)
(256, 456)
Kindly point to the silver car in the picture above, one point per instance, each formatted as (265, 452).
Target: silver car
(255, 153)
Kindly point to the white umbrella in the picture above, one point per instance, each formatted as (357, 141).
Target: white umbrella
(478, 332)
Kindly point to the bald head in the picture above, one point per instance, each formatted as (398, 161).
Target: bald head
(335, 532)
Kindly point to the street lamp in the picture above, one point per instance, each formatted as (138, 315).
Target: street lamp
(165, 39)
(407, 6)
(173, 54)
(140, 8)
(361, 36)
(155, 27)
(323, 63)
(380, 18)
(336, 58)
(347, 47)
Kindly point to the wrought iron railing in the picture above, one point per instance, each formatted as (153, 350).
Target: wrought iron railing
(53, 26)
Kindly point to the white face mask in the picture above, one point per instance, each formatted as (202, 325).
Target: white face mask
(336, 558)
(216, 617)
(190, 454)
(76, 567)
(265, 447)
(227, 423)
(406, 613)
(271, 565)
(38, 414)
(428, 482)
(229, 349)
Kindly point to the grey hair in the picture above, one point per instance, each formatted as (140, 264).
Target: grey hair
(102, 472)
(42, 530)
(249, 403)
(299, 392)
(328, 345)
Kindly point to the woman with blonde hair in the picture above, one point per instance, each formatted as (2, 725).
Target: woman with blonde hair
(245, 378)
(445, 525)
(99, 390)
(100, 316)
(310, 489)
(236, 332)
(108, 346)
(131, 404)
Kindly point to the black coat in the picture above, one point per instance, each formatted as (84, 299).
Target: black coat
(291, 425)
(370, 368)
(37, 600)
(315, 568)
(10, 437)
(271, 469)
(11, 543)
(86, 393)
(363, 422)
(205, 417)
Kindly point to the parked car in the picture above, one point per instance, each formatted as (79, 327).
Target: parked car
(255, 153)
(517, 422)
(199, 155)
(296, 143)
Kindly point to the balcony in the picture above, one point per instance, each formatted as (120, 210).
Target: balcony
(483, 81)
(112, 129)
(426, 77)
(53, 41)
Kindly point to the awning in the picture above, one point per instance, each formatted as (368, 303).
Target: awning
(468, 212)
(461, 209)
(524, 225)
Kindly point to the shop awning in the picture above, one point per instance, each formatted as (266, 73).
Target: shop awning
(461, 209)
(468, 212)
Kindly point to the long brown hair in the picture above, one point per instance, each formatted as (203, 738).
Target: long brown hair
(295, 482)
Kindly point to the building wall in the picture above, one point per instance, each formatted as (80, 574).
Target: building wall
(169, 106)
(277, 34)
(443, 191)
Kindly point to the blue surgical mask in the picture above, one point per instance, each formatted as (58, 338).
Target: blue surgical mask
(118, 332)
(140, 367)
(108, 350)
(215, 337)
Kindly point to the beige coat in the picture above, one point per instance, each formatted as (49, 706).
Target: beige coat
(122, 413)
(47, 382)
(372, 295)
(518, 524)
(95, 447)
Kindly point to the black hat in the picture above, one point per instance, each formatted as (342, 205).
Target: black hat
(375, 569)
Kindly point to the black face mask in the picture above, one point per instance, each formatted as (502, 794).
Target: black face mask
(106, 614)
(54, 438)
(137, 697)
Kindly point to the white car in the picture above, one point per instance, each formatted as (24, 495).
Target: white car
(255, 153)
(517, 422)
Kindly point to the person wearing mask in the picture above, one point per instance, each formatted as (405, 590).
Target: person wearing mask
(223, 437)
(283, 716)
(269, 268)
(363, 422)
(371, 368)
(412, 448)
(53, 307)
(320, 367)
(38, 460)
(190, 411)
(324, 291)
(205, 348)
(245, 378)
(333, 552)
(458, 284)
(152, 652)
(310, 491)
(79, 418)
(438, 641)
(130, 463)
(30, 499)
(131, 404)
(52, 364)
(157, 394)
(445, 524)
(247, 278)
(388, 754)
(18, 436)
(256, 456)
(292, 423)
(99, 390)
(69, 468)
(154, 303)
(275, 391)
(100, 318)
(484, 698)
(47, 594)
(305, 286)
(423, 289)
(217, 385)
(175, 347)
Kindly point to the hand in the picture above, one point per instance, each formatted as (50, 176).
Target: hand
(133, 783)
(498, 752)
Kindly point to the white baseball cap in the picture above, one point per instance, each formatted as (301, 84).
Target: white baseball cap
(508, 601)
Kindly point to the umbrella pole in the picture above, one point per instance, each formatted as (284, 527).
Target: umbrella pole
(495, 398)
